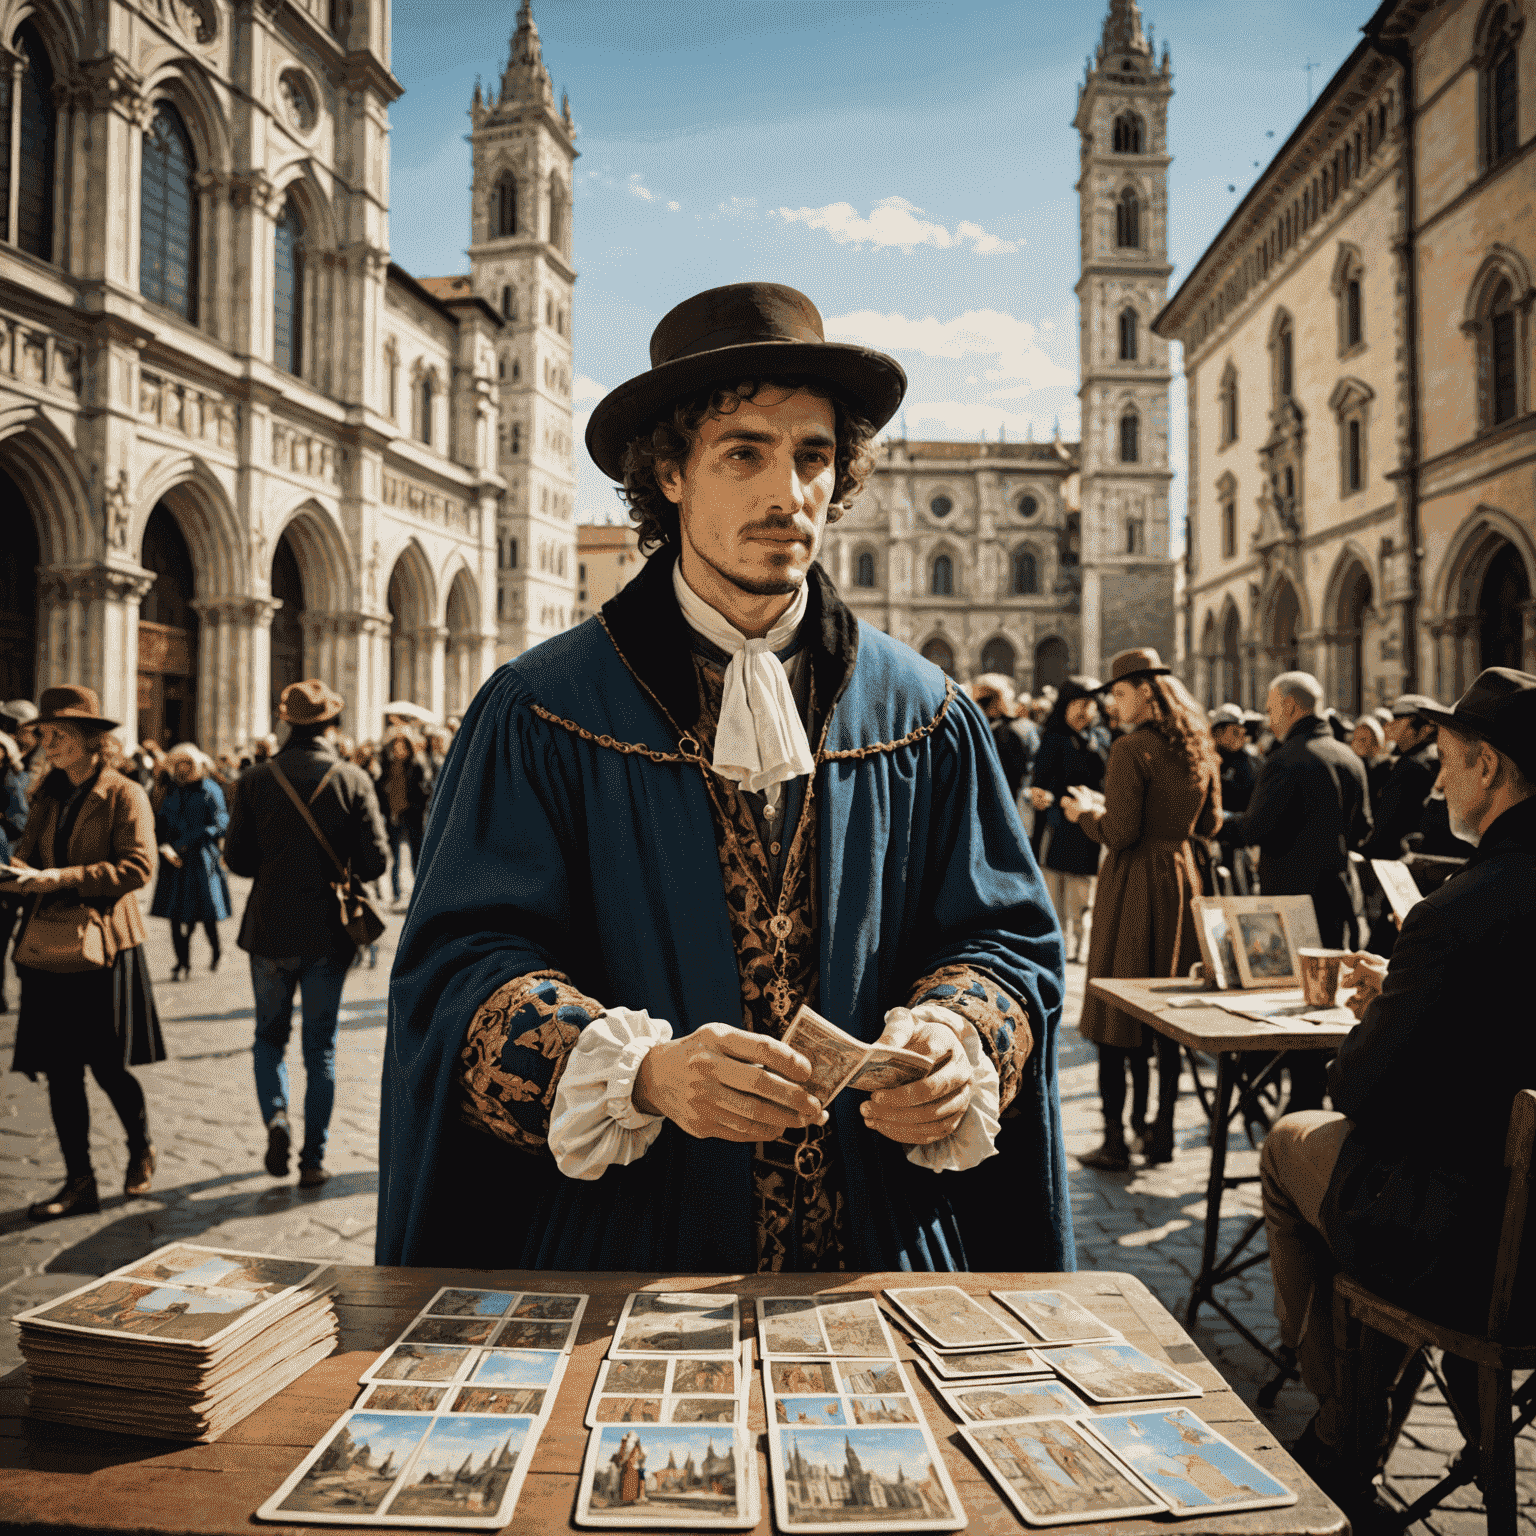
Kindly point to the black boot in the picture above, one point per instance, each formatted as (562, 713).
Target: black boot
(1113, 1157)
(77, 1198)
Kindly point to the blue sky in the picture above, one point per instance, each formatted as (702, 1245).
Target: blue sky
(908, 164)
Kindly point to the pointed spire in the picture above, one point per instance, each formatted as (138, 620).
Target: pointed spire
(525, 80)
(1122, 31)
(476, 102)
(525, 41)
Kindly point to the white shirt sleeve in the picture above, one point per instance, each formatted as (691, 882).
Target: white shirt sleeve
(593, 1122)
(974, 1140)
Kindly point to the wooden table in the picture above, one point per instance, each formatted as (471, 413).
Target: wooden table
(1248, 1057)
(52, 1478)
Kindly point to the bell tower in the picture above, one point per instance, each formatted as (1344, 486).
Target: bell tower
(1122, 121)
(524, 153)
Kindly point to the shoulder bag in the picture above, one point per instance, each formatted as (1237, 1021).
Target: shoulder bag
(65, 936)
(359, 917)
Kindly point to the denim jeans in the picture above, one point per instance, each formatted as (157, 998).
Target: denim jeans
(319, 982)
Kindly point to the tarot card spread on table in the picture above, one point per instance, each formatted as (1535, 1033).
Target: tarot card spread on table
(1192, 1467)
(952, 1319)
(1118, 1373)
(1057, 1318)
(849, 1323)
(894, 1477)
(456, 1317)
(675, 1476)
(410, 1469)
(982, 1363)
(992, 1400)
(676, 1389)
(678, 1323)
(1054, 1474)
(861, 1392)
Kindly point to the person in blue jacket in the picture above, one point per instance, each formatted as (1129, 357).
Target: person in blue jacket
(192, 887)
(660, 834)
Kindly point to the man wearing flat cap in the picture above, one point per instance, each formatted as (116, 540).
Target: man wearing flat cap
(659, 834)
(1403, 1183)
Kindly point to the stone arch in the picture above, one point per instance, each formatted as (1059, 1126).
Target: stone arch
(41, 462)
(1281, 624)
(1491, 542)
(1229, 653)
(205, 516)
(941, 558)
(1208, 655)
(999, 655)
(1503, 265)
(175, 78)
(411, 597)
(461, 618)
(320, 548)
(1349, 606)
(298, 183)
(1053, 661)
(61, 27)
(940, 652)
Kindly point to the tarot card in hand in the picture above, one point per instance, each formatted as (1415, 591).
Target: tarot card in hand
(839, 1061)
(954, 1320)
(1055, 1474)
(1056, 1318)
(974, 1365)
(678, 1323)
(905, 1484)
(681, 1477)
(1184, 1460)
(1118, 1373)
(850, 1323)
(1037, 1398)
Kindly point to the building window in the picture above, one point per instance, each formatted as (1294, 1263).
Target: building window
(941, 655)
(424, 421)
(1128, 220)
(1353, 332)
(168, 215)
(1128, 134)
(506, 212)
(1135, 536)
(1354, 460)
(392, 375)
(508, 303)
(1130, 438)
(511, 554)
(864, 570)
(36, 118)
(1282, 357)
(941, 582)
(1026, 573)
(517, 442)
(288, 293)
(1128, 329)
(941, 506)
(1501, 354)
(1228, 529)
(1501, 132)
(1227, 402)
(501, 367)
(1028, 506)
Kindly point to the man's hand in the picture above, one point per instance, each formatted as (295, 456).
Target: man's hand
(1041, 799)
(1366, 976)
(1072, 807)
(729, 1084)
(933, 1107)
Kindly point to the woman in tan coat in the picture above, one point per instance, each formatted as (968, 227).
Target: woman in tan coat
(1162, 786)
(90, 838)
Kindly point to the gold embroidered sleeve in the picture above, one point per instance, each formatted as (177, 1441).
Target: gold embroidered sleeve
(515, 1054)
(999, 1019)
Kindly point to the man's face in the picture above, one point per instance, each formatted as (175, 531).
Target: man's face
(1229, 737)
(1467, 786)
(1281, 709)
(26, 737)
(753, 496)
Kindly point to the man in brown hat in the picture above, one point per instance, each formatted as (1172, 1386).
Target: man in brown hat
(660, 834)
(292, 926)
(1403, 1183)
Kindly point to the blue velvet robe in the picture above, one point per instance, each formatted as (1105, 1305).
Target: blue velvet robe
(546, 851)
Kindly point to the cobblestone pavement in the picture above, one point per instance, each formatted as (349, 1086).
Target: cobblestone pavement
(210, 1186)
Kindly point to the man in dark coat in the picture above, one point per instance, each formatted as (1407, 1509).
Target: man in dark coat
(1415, 767)
(1240, 763)
(1404, 1185)
(292, 924)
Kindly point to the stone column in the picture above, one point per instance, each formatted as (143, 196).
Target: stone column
(88, 633)
(431, 657)
(215, 680)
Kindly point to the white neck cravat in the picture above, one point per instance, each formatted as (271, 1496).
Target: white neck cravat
(760, 742)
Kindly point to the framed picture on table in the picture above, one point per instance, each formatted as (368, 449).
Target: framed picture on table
(1251, 941)
(1216, 943)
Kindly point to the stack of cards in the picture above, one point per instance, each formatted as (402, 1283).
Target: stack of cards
(179, 1345)
(848, 1445)
(968, 1342)
(448, 1419)
(669, 1443)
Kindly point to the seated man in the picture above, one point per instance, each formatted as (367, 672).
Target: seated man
(1404, 1186)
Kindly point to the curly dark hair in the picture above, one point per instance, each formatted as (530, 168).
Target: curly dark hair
(1182, 723)
(672, 439)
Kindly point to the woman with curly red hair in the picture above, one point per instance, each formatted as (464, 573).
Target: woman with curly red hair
(1162, 787)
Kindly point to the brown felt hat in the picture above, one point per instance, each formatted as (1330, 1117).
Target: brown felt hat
(1143, 661)
(70, 704)
(309, 702)
(725, 335)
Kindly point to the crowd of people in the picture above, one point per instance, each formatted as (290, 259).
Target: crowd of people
(86, 824)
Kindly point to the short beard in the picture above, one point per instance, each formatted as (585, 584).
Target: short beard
(782, 586)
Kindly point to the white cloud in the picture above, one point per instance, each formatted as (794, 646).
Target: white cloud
(673, 207)
(638, 188)
(1010, 342)
(739, 208)
(585, 391)
(894, 221)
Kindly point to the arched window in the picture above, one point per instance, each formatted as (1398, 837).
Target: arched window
(1128, 134)
(1502, 392)
(1130, 438)
(941, 582)
(1282, 357)
(506, 208)
(508, 303)
(864, 570)
(1354, 461)
(37, 121)
(1128, 219)
(1501, 135)
(556, 213)
(288, 293)
(1026, 573)
(997, 655)
(1128, 329)
(1228, 528)
(941, 506)
(1353, 319)
(941, 655)
(1227, 395)
(1028, 506)
(392, 375)
(424, 406)
(168, 215)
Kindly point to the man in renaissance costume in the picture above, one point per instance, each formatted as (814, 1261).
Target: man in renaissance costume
(658, 834)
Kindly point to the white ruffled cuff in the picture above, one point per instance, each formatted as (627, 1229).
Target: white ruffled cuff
(974, 1140)
(593, 1122)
